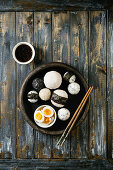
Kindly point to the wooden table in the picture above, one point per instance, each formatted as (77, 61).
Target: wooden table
(82, 39)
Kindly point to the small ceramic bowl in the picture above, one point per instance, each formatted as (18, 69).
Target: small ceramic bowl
(43, 125)
(21, 43)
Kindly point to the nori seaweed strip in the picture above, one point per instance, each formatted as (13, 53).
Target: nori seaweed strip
(58, 99)
(67, 76)
(32, 96)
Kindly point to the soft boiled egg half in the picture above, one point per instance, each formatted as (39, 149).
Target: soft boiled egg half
(38, 116)
(47, 120)
(48, 111)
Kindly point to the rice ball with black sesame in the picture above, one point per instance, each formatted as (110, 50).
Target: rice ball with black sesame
(38, 84)
(63, 114)
(73, 88)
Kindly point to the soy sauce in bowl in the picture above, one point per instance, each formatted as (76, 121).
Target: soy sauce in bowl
(23, 53)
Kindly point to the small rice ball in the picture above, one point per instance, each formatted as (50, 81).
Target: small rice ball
(74, 88)
(38, 84)
(45, 94)
(32, 96)
(63, 114)
(52, 79)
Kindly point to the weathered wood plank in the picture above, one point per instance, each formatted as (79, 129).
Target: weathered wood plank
(7, 168)
(25, 168)
(61, 52)
(52, 5)
(79, 59)
(42, 37)
(110, 85)
(44, 5)
(42, 42)
(7, 85)
(97, 78)
(25, 138)
(58, 164)
(61, 37)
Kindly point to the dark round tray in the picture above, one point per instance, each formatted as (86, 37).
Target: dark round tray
(28, 108)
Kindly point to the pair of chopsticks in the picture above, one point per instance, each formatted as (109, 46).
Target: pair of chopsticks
(74, 118)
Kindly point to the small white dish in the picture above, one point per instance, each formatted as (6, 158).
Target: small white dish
(43, 125)
(33, 52)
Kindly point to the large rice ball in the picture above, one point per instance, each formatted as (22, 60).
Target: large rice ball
(52, 79)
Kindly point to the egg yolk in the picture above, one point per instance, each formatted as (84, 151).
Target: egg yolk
(47, 120)
(47, 112)
(38, 116)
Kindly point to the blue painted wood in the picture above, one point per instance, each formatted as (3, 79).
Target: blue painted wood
(57, 164)
(79, 60)
(53, 36)
(24, 132)
(17, 5)
(42, 43)
(97, 79)
(7, 86)
(61, 53)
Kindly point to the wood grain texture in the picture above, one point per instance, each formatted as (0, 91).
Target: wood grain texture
(61, 52)
(6, 168)
(56, 5)
(24, 132)
(7, 86)
(44, 5)
(110, 85)
(42, 42)
(25, 168)
(97, 78)
(57, 164)
(61, 37)
(79, 60)
(42, 37)
(62, 29)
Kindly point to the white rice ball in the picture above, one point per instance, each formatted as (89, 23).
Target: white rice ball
(52, 79)
(74, 88)
(63, 114)
(59, 98)
(45, 94)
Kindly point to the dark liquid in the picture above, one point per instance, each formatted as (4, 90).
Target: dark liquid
(23, 53)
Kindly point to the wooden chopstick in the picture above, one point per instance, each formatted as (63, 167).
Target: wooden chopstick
(76, 116)
(73, 116)
(79, 107)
